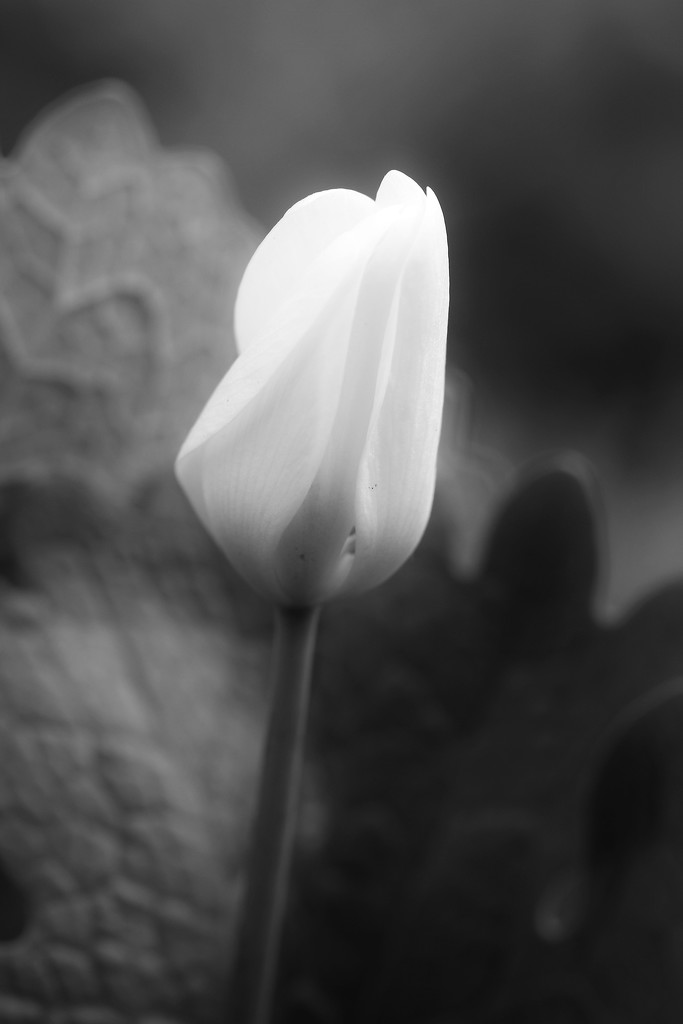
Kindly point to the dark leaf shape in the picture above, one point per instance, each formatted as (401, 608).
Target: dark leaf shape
(626, 811)
(461, 931)
(633, 880)
(15, 907)
(543, 552)
(443, 703)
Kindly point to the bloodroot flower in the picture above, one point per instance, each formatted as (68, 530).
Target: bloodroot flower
(313, 463)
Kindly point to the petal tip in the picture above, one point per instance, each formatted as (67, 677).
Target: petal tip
(397, 188)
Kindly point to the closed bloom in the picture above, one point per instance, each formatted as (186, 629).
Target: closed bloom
(313, 463)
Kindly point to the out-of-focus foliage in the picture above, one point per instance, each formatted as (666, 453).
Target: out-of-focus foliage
(118, 272)
(493, 829)
(130, 718)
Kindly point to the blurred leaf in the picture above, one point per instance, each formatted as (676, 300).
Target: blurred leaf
(459, 730)
(118, 270)
(543, 549)
(128, 738)
(130, 705)
(461, 931)
(630, 933)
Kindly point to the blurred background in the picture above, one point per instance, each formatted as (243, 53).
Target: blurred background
(552, 133)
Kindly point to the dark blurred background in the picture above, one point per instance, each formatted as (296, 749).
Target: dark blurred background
(552, 133)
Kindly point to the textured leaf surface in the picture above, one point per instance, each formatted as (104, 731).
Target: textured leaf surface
(130, 708)
(119, 266)
(129, 738)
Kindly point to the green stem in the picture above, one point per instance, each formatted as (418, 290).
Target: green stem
(275, 823)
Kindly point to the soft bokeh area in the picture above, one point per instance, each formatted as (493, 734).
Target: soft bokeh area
(551, 133)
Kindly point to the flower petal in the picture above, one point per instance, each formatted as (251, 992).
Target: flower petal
(288, 251)
(397, 188)
(252, 457)
(248, 477)
(334, 274)
(322, 525)
(397, 473)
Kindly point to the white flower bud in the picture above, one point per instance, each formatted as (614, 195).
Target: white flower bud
(313, 462)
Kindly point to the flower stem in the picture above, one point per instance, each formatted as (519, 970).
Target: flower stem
(275, 822)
